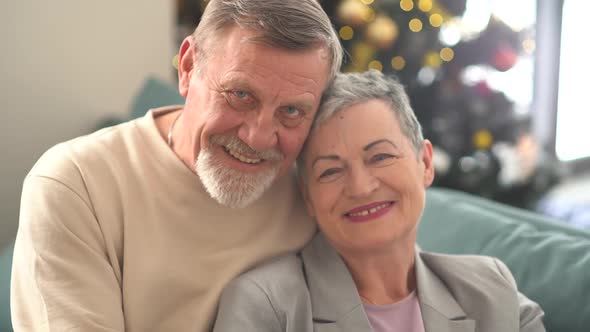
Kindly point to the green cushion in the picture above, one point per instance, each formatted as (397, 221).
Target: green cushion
(5, 269)
(154, 93)
(550, 262)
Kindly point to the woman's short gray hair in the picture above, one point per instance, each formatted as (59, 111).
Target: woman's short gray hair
(354, 88)
(288, 24)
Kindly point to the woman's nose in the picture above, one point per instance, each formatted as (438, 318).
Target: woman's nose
(361, 182)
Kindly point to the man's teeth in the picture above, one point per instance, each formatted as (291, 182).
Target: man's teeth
(369, 211)
(242, 158)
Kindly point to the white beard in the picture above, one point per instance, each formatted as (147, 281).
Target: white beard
(228, 186)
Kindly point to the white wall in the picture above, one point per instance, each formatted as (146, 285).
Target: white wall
(64, 65)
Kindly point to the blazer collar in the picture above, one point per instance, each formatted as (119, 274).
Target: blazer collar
(336, 305)
(440, 310)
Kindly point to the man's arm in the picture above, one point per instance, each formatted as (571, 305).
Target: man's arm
(62, 279)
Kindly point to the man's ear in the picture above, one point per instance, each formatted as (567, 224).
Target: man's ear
(186, 64)
(427, 160)
(305, 194)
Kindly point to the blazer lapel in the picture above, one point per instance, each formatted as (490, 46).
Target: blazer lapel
(440, 311)
(336, 305)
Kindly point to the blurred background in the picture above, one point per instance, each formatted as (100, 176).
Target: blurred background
(497, 85)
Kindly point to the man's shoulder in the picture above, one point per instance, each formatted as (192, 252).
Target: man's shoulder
(70, 158)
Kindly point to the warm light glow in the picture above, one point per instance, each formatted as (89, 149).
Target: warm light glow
(398, 62)
(516, 14)
(406, 5)
(529, 46)
(415, 25)
(376, 65)
(436, 20)
(447, 54)
(450, 33)
(431, 59)
(175, 61)
(367, 2)
(368, 15)
(572, 134)
(346, 33)
(425, 5)
(383, 32)
(483, 139)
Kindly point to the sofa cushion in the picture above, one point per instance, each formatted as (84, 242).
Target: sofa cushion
(5, 269)
(549, 261)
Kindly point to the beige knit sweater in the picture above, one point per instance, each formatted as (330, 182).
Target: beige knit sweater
(117, 234)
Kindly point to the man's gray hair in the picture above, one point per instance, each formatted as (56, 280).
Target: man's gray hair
(354, 88)
(288, 24)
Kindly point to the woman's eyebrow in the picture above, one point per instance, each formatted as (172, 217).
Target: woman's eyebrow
(379, 141)
(324, 157)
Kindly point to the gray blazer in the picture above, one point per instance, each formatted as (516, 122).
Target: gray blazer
(314, 291)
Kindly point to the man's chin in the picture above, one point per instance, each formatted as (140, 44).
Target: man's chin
(231, 187)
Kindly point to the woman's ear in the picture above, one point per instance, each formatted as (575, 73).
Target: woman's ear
(186, 64)
(427, 160)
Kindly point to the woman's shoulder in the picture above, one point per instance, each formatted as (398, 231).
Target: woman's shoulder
(477, 270)
(273, 277)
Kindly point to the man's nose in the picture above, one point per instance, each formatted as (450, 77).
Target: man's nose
(259, 131)
(361, 182)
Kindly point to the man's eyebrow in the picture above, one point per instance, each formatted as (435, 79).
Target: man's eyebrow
(379, 141)
(325, 157)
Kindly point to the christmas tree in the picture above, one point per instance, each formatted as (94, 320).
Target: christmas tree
(445, 59)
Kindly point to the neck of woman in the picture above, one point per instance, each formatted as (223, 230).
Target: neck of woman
(385, 276)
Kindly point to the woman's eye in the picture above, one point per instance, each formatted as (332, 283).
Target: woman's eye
(382, 159)
(330, 174)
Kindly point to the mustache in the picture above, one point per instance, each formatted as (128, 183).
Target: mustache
(235, 144)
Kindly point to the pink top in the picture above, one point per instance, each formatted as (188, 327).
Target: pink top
(404, 315)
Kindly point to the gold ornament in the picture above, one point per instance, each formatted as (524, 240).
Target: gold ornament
(483, 139)
(382, 32)
(354, 12)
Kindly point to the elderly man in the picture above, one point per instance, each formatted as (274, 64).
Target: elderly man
(140, 226)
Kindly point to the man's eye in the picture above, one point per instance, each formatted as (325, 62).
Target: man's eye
(240, 99)
(241, 94)
(292, 112)
(291, 116)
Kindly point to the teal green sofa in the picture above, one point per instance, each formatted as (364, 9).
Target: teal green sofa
(550, 261)
(5, 263)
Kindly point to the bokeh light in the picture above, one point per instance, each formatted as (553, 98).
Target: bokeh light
(375, 64)
(436, 20)
(415, 25)
(447, 54)
(425, 5)
(346, 32)
(398, 62)
(406, 5)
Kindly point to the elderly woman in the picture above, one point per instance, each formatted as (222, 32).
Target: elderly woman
(363, 173)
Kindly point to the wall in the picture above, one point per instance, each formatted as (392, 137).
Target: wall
(64, 65)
